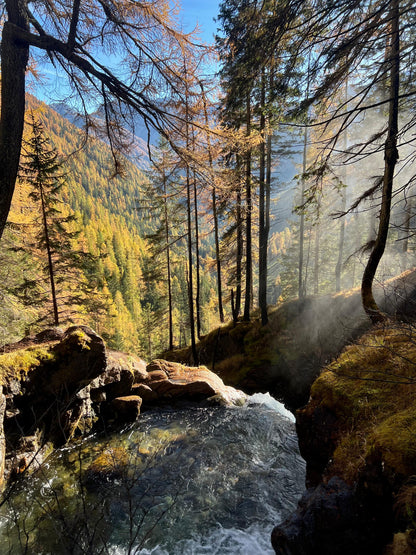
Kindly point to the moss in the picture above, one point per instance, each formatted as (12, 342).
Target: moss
(394, 438)
(16, 364)
(231, 369)
(371, 390)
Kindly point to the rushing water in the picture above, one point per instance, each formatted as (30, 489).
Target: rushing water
(179, 482)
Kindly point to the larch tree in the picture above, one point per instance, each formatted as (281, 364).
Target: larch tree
(143, 52)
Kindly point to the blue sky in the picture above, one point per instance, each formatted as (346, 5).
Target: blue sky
(192, 12)
(202, 12)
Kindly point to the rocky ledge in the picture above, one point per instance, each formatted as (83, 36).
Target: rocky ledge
(59, 384)
(357, 435)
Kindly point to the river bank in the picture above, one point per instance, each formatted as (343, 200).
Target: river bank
(357, 435)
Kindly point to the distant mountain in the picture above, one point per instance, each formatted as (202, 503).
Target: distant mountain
(138, 154)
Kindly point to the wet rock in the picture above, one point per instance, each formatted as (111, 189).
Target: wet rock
(170, 380)
(110, 465)
(126, 409)
(329, 520)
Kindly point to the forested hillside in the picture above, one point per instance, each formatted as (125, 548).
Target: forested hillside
(113, 217)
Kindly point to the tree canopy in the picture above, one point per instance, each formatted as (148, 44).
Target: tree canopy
(127, 54)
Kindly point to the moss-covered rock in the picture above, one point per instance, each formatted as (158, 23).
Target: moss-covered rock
(360, 426)
(110, 465)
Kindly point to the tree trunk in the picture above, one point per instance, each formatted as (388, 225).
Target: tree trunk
(197, 264)
(169, 276)
(214, 212)
(14, 59)
(50, 261)
(249, 261)
(316, 259)
(189, 234)
(262, 209)
(390, 158)
(301, 278)
(338, 268)
(239, 257)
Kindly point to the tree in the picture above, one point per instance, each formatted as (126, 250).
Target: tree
(147, 53)
(55, 231)
(371, 44)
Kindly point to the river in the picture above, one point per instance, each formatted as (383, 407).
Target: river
(188, 481)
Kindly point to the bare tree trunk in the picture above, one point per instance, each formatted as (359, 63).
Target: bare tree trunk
(14, 59)
(197, 264)
(239, 258)
(50, 261)
(217, 254)
(301, 279)
(169, 276)
(316, 260)
(338, 268)
(249, 202)
(390, 158)
(189, 234)
(406, 230)
(214, 212)
(263, 238)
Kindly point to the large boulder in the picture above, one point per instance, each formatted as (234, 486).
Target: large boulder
(53, 393)
(168, 381)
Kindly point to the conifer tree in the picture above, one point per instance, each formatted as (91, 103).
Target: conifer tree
(54, 232)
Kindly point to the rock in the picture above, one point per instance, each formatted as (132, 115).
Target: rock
(144, 391)
(53, 391)
(78, 358)
(318, 430)
(127, 409)
(45, 336)
(171, 380)
(110, 465)
(329, 520)
(120, 373)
